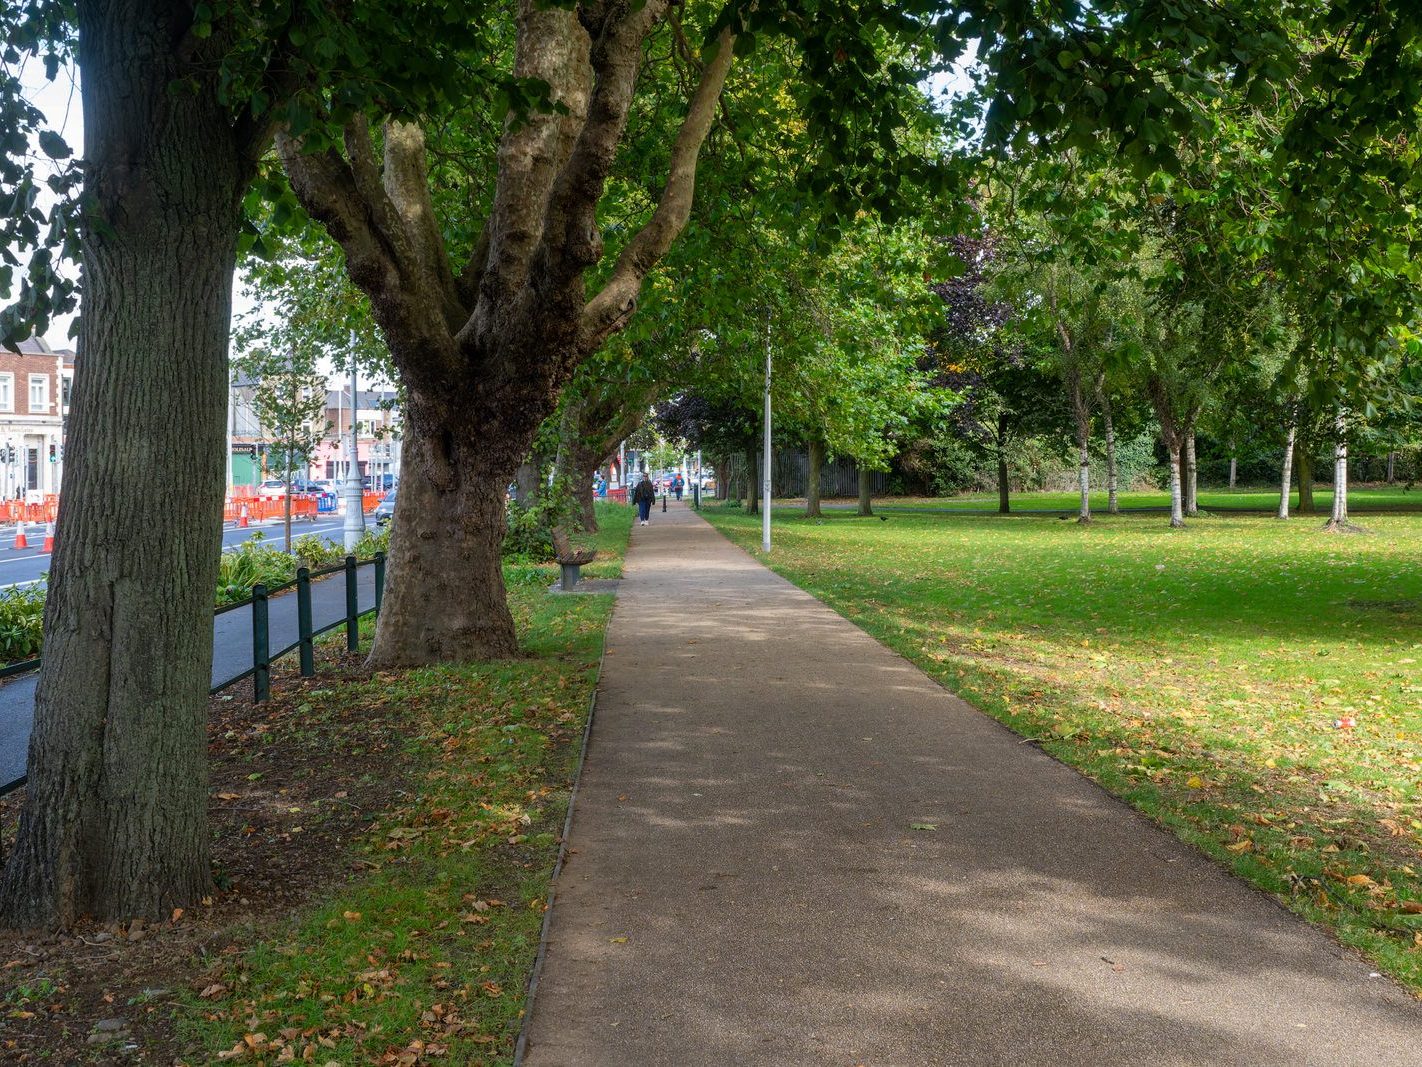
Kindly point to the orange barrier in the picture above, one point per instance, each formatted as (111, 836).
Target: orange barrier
(19, 511)
(619, 495)
(263, 508)
(369, 501)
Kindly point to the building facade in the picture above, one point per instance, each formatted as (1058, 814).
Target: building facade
(35, 386)
(377, 422)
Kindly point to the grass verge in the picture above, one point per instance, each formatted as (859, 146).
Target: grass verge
(1253, 685)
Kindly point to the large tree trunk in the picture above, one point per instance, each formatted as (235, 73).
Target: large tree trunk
(1303, 460)
(1112, 502)
(1286, 485)
(1177, 510)
(1004, 490)
(446, 549)
(866, 503)
(115, 817)
(816, 450)
(1192, 470)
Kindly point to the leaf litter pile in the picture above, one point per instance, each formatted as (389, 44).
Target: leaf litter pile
(382, 852)
(1254, 685)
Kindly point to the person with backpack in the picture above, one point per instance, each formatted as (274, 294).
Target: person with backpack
(678, 485)
(644, 496)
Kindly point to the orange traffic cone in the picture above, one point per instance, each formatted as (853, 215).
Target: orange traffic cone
(20, 541)
(48, 538)
(242, 519)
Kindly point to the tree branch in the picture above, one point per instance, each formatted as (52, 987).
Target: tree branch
(553, 48)
(571, 242)
(608, 311)
(407, 185)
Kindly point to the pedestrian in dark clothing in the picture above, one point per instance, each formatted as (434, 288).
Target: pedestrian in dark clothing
(643, 496)
(679, 485)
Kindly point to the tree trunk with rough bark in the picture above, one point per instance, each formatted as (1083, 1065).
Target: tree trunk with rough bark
(866, 503)
(114, 823)
(1192, 470)
(816, 462)
(1286, 485)
(450, 514)
(528, 480)
(1303, 460)
(1081, 414)
(484, 348)
(1004, 489)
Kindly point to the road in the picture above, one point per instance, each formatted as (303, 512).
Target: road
(28, 565)
(231, 632)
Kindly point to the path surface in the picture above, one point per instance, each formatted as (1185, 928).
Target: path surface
(231, 655)
(743, 885)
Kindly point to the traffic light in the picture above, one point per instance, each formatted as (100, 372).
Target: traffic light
(53, 453)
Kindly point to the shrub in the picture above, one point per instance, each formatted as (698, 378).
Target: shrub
(529, 537)
(249, 563)
(21, 615)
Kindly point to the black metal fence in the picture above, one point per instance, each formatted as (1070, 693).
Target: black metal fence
(263, 654)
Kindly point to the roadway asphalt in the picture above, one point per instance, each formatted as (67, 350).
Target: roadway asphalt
(232, 631)
(791, 847)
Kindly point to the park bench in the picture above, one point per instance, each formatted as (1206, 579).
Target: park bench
(571, 557)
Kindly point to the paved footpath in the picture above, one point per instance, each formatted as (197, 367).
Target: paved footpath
(744, 887)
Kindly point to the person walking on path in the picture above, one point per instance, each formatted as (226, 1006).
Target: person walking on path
(643, 496)
(679, 485)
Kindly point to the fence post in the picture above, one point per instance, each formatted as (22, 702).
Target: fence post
(379, 580)
(303, 622)
(261, 646)
(352, 607)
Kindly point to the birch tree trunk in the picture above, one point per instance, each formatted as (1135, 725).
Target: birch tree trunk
(1192, 498)
(866, 504)
(1083, 478)
(1177, 510)
(1391, 467)
(816, 461)
(1233, 470)
(1287, 480)
(114, 823)
(1338, 520)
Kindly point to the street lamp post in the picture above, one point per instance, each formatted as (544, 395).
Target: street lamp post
(765, 460)
(354, 527)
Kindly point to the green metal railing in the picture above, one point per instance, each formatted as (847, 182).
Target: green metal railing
(305, 644)
(263, 654)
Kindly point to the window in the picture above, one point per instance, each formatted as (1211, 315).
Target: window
(7, 392)
(39, 393)
(66, 387)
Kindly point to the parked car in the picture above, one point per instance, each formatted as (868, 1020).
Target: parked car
(272, 488)
(385, 510)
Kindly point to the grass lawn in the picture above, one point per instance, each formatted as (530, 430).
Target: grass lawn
(1208, 676)
(1255, 498)
(429, 953)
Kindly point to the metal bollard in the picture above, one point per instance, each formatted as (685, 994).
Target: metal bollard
(664, 503)
(352, 607)
(261, 646)
(379, 580)
(307, 644)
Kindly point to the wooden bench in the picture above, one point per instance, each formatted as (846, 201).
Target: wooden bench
(572, 558)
